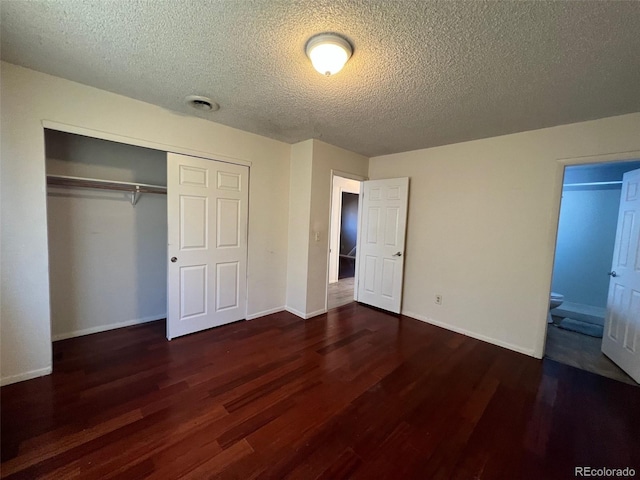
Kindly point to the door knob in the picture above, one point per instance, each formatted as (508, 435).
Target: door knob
(174, 259)
(397, 254)
(612, 274)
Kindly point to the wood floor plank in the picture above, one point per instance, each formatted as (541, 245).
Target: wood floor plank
(55, 443)
(355, 393)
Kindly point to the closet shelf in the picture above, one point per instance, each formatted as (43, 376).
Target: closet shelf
(591, 184)
(134, 188)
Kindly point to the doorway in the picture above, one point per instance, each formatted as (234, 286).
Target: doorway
(584, 250)
(345, 199)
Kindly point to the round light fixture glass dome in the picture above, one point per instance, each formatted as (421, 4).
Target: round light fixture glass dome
(328, 53)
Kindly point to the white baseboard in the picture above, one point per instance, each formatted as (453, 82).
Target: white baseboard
(297, 313)
(316, 313)
(104, 328)
(305, 316)
(21, 377)
(478, 336)
(264, 313)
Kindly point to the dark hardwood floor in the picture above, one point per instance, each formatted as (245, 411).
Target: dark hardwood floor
(355, 394)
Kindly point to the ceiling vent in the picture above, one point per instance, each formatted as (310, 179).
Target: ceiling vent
(204, 104)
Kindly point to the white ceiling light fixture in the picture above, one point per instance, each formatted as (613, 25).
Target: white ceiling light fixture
(328, 53)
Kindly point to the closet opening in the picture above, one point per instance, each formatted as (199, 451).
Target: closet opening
(107, 234)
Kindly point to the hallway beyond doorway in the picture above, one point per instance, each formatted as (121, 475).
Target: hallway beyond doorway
(340, 292)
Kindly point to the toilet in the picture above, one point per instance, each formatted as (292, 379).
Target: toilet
(555, 300)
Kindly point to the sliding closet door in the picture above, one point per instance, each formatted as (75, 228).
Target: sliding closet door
(207, 221)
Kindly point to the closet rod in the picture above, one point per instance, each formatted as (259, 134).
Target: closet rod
(135, 189)
(66, 181)
(591, 184)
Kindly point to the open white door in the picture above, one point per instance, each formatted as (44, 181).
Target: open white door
(622, 326)
(207, 236)
(380, 253)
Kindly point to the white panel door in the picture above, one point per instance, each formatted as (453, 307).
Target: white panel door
(620, 341)
(380, 254)
(207, 234)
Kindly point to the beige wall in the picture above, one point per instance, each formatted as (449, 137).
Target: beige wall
(325, 159)
(28, 98)
(299, 211)
(311, 164)
(481, 229)
(482, 225)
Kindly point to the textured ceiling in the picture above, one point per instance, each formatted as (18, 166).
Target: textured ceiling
(423, 73)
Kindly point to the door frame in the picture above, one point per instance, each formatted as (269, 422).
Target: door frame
(552, 235)
(350, 176)
(139, 142)
(334, 260)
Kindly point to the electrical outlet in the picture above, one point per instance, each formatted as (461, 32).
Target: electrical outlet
(438, 299)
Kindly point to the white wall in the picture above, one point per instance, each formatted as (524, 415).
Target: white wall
(311, 164)
(586, 238)
(481, 231)
(107, 258)
(482, 225)
(29, 97)
(340, 184)
(299, 212)
(325, 159)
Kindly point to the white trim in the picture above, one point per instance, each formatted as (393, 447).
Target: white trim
(297, 313)
(305, 316)
(350, 176)
(356, 279)
(21, 377)
(104, 328)
(264, 313)
(336, 261)
(478, 336)
(113, 137)
(322, 311)
(601, 158)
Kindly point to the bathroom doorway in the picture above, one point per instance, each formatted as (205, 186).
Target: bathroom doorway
(584, 250)
(345, 199)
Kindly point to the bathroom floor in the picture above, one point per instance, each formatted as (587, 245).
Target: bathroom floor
(581, 351)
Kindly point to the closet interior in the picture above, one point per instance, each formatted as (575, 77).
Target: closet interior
(107, 233)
